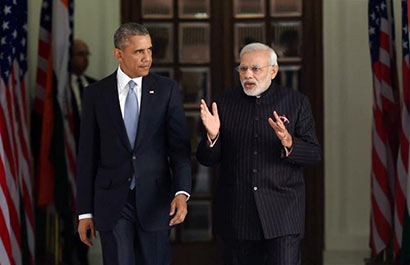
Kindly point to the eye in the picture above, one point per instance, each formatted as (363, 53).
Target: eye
(243, 68)
(256, 68)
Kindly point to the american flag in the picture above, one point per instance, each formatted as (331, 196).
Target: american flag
(16, 198)
(386, 122)
(403, 174)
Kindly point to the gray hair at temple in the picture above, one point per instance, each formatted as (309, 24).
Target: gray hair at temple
(257, 46)
(126, 30)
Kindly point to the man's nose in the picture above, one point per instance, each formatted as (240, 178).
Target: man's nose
(248, 73)
(146, 56)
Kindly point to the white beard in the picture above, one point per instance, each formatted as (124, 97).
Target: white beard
(254, 92)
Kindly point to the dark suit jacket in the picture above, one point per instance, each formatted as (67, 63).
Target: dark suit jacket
(107, 161)
(76, 109)
(260, 193)
(90, 80)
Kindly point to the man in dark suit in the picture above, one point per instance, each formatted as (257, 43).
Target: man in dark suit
(79, 80)
(261, 135)
(134, 157)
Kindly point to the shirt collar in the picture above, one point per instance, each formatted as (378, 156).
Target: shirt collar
(124, 79)
(75, 77)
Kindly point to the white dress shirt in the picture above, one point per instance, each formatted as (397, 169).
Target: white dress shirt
(123, 88)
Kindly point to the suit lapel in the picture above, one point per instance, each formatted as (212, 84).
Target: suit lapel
(113, 106)
(146, 106)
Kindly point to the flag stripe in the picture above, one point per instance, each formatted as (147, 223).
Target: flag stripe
(5, 250)
(403, 158)
(52, 129)
(15, 159)
(385, 136)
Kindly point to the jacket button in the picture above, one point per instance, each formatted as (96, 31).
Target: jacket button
(134, 157)
(255, 188)
(254, 170)
(129, 179)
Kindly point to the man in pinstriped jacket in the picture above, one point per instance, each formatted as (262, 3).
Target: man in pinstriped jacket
(261, 135)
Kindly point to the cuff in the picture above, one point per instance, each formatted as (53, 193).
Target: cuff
(288, 150)
(84, 216)
(183, 192)
(211, 142)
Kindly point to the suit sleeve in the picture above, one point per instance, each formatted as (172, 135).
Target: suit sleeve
(209, 156)
(87, 159)
(306, 149)
(179, 146)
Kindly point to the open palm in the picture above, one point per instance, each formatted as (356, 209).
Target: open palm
(210, 120)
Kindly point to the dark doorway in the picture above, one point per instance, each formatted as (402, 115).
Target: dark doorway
(196, 42)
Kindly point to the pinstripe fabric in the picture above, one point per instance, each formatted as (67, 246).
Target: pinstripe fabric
(283, 250)
(260, 193)
(278, 251)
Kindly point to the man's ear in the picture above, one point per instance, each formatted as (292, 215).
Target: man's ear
(117, 54)
(274, 72)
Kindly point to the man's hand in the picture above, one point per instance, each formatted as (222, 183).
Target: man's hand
(179, 209)
(211, 122)
(83, 226)
(281, 131)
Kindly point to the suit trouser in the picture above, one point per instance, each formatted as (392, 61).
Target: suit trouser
(128, 244)
(277, 251)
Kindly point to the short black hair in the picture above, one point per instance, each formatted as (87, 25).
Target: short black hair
(126, 30)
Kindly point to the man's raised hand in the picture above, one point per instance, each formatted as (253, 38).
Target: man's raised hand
(210, 120)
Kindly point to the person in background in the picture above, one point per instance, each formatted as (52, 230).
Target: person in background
(134, 168)
(79, 80)
(79, 64)
(261, 135)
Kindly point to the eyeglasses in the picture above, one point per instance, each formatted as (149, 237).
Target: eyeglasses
(256, 69)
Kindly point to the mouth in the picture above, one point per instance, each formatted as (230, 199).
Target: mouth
(145, 68)
(249, 85)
